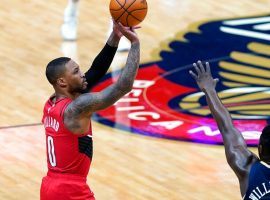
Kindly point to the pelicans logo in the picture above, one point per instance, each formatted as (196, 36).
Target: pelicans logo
(166, 102)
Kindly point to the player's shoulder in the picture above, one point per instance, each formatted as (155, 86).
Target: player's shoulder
(56, 106)
(262, 164)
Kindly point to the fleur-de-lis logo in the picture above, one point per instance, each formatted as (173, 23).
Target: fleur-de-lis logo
(165, 100)
(245, 75)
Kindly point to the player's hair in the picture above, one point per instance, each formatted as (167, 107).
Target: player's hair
(55, 68)
(264, 145)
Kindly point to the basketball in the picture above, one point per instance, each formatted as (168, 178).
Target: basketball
(128, 12)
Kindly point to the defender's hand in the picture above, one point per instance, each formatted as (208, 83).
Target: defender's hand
(203, 77)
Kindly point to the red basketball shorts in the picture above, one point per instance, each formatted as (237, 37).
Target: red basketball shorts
(65, 187)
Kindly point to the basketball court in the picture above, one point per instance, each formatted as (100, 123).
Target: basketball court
(158, 142)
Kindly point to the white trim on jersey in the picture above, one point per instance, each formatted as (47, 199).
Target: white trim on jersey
(265, 164)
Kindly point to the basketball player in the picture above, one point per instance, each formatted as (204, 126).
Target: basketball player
(69, 27)
(67, 113)
(253, 173)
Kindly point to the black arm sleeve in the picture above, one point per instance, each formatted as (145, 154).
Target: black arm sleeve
(100, 66)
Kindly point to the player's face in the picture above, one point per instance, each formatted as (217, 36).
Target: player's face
(75, 78)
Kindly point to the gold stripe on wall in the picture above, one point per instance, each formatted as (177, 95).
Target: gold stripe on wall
(245, 79)
(247, 98)
(251, 59)
(250, 107)
(244, 69)
(259, 112)
(233, 84)
(185, 105)
(259, 48)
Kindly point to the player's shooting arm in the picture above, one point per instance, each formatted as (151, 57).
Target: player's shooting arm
(102, 62)
(237, 154)
(83, 106)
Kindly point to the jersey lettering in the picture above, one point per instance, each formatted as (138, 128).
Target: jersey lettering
(51, 122)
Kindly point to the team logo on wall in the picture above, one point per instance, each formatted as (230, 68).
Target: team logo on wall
(166, 102)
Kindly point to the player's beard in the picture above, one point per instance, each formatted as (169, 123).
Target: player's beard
(78, 88)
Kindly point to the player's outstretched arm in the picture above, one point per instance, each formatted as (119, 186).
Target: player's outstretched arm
(237, 154)
(78, 113)
(103, 60)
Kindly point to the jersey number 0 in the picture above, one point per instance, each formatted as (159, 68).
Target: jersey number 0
(51, 153)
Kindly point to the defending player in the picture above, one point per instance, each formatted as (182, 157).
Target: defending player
(253, 173)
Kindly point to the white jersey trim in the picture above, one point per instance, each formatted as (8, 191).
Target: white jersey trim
(265, 164)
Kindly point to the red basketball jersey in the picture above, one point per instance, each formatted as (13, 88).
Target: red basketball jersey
(67, 153)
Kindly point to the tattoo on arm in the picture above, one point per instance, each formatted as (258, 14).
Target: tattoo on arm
(113, 40)
(129, 73)
(87, 103)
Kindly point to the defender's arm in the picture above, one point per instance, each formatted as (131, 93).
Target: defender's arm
(237, 154)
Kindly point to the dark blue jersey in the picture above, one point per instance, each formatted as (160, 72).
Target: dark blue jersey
(259, 182)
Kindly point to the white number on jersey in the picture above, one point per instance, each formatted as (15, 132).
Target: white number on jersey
(51, 153)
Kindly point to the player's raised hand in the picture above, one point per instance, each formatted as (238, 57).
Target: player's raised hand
(203, 76)
(116, 30)
(128, 32)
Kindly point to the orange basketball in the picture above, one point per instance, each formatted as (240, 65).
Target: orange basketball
(128, 12)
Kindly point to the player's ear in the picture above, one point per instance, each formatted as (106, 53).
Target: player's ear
(61, 82)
